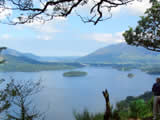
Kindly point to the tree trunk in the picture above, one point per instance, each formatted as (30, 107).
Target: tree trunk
(107, 113)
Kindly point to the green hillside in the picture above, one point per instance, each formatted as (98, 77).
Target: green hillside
(24, 64)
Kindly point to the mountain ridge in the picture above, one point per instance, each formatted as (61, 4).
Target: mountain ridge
(121, 53)
(13, 52)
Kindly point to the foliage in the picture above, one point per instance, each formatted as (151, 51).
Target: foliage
(17, 103)
(132, 107)
(4, 100)
(85, 115)
(139, 109)
(20, 95)
(28, 11)
(147, 32)
(135, 107)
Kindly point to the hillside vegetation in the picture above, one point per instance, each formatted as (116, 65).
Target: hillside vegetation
(132, 108)
(24, 64)
(74, 74)
(119, 56)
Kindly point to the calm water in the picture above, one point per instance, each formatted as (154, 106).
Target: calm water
(62, 95)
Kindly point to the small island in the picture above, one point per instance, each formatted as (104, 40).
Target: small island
(74, 74)
(130, 75)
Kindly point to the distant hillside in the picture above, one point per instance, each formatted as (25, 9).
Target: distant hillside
(12, 52)
(16, 61)
(39, 58)
(121, 53)
(59, 59)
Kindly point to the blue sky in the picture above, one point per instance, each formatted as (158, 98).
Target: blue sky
(70, 36)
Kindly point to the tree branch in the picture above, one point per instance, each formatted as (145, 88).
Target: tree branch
(26, 11)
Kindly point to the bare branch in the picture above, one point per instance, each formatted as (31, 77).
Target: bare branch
(27, 11)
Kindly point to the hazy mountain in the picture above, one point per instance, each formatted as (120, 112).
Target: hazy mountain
(25, 64)
(12, 52)
(28, 62)
(59, 59)
(121, 53)
(39, 58)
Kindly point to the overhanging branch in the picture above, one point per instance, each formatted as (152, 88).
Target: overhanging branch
(25, 11)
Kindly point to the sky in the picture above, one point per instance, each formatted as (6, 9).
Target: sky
(70, 36)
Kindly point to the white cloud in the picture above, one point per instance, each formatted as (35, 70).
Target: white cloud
(43, 28)
(44, 37)
(5, 36)
(44, 31)
(135, 8)
(40, 27)
(107, 38)
(4, 13)
(138, 8)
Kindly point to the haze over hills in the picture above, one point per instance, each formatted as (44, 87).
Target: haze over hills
(27, 62)
(16, 53)
(117, 53)
(121, 53)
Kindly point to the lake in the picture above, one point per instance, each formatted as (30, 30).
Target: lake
(63, 95)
